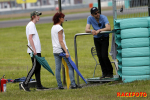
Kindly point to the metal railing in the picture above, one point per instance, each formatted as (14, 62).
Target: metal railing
(130, 8)
(75, 48)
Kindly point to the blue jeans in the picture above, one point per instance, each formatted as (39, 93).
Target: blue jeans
(58, 61)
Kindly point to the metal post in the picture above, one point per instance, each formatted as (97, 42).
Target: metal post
(25, 5)
(60, 10)
(99, 6)
(76, 55)
(114, 10)
(40, 3)
(63, 69)
(10, 3)
(149, 7)
(59, 1)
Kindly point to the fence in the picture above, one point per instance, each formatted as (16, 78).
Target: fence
(28, 4)
(130, 8)
(31, 4)
(122, 8)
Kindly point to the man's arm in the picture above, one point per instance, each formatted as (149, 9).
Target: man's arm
(107, 28)
(32, 43)
(88, 30)
(60, 36)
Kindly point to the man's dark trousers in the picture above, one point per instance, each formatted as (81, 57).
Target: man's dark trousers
(35, 70)
(102, 45)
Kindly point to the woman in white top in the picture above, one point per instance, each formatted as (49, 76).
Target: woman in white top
(59, 46)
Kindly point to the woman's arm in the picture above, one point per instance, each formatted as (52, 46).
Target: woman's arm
(60, 36)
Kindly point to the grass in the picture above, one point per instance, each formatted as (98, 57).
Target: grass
(14, 62)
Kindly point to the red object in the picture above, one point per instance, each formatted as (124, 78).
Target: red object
(0, 85)
(57, 8)
(3, 81)
(90, 5)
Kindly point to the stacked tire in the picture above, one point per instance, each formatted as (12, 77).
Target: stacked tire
(133, 49)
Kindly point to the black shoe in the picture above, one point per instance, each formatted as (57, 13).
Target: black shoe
(61, 87)
(75, 87)
(109, 76)
(42, 88)
(25, 87)
(103, 76)
(78, 86)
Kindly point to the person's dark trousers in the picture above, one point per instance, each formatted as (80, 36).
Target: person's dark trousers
(102, 45)
(36, 68)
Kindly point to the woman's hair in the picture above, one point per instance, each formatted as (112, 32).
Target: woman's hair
(57, 16)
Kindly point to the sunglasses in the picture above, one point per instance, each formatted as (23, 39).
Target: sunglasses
(96, 13)
(99, 24)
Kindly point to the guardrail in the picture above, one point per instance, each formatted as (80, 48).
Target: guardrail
(17, 11)
(75, 47)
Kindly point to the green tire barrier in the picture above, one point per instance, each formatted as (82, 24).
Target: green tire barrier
(133, 51)
(119, 72)
(141, 70)
(119, 51)
(118, 31)
(134, 33)
(117, 24)
(120, 66)
(148, 18)
(118, 42)
(136, 61)
(118, 36)
(126, 79)
(119, 58)
(134, 23)
(149, 30)
(136, 52)
(135, 42)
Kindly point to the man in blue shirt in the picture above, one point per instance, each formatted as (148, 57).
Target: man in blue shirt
(100, 23)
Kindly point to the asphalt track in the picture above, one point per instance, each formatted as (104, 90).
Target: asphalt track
(23, 22)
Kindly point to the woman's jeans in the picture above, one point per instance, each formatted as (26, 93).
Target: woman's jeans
(58, 61)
